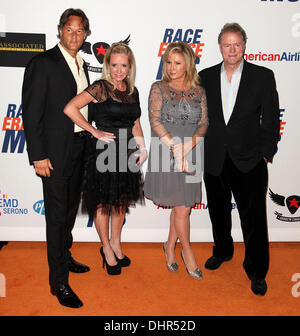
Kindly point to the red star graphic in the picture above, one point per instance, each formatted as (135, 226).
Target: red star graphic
(101, 50)
(294, 203)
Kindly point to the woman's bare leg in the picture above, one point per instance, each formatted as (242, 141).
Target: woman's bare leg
(117, 220)
(182, 227)
(102, 226)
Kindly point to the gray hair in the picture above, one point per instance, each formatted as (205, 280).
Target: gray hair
(232, 28)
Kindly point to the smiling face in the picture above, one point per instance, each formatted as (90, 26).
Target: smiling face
(72, 35)
(118, 67)
(232, 48)
(176, 67)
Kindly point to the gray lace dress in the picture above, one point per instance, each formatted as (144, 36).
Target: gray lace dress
(182, 114)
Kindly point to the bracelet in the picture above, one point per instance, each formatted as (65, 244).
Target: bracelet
(143, 148)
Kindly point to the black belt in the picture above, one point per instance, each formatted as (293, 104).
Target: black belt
(80, 134)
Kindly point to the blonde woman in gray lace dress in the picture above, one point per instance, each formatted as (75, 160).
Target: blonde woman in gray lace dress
(178, 118)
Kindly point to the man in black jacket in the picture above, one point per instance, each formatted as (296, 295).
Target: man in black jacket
(55, 146)
(242, 137)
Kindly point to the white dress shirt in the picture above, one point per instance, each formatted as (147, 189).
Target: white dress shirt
(79, 77)
(229, 90)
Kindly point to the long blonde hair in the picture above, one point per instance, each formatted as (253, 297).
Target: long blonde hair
(120, 48)
(192, 79)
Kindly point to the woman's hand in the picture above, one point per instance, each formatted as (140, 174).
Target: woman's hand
(142, 155)
(181, 149)
(104, 136)
(181, 164)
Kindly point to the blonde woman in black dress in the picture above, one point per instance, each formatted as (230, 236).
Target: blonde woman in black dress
(113, 180)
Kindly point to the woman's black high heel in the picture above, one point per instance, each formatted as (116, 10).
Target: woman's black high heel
(124, 262)
(111, 270)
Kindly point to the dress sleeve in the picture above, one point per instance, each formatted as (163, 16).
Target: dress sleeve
(137, 99)
(203, 121)
(155, 103)
(98, 90)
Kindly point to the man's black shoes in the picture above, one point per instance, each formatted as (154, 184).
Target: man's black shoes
(76, 267)
(259, 286)
(66, 296)
(213, 262)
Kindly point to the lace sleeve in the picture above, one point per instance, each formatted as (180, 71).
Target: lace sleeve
(203, 122)
(98, 91)
(155, 103)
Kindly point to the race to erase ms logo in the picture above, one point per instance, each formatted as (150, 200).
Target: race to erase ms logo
(282, 123)
(12, 125)
(191, 36)
(10, 205)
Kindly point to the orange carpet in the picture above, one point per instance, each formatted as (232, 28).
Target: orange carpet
(147, 288)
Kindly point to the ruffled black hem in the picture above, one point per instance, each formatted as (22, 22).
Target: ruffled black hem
(110, 191)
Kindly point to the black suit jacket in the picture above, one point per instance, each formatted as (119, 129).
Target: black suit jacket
(47, 87)
(253, 129)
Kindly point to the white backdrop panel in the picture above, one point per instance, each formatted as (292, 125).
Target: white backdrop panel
(273, 28)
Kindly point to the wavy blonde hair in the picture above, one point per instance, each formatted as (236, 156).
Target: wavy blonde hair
(192, 79)
(120, 48)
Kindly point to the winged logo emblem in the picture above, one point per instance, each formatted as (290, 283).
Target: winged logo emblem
(99, 48)
(291, 202)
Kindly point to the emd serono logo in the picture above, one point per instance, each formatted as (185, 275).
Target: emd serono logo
(10, 206)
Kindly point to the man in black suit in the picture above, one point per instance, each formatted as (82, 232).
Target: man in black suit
(55, 146)
(242, 137)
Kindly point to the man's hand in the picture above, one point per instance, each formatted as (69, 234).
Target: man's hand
(42, 167)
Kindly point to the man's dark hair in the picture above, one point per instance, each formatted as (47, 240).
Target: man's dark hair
(74, 12)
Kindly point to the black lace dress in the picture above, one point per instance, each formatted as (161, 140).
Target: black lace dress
(112, 180)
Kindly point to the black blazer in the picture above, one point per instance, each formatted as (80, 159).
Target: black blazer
(47, 87)
(253, 129)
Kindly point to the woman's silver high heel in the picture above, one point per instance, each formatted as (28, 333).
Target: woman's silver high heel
(171, 267)
(196, 274)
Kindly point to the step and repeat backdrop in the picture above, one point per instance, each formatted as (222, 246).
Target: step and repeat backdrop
(30, 27)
